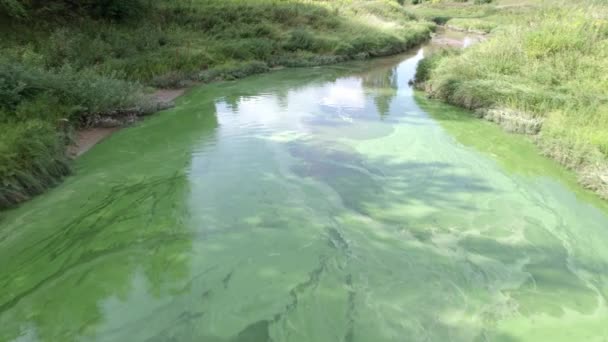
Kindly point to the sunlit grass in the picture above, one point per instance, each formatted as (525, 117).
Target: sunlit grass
(548, 63)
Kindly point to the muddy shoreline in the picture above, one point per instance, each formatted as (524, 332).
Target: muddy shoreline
(86, 138)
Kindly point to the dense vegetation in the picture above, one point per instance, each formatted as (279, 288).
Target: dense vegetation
(63, 62)
(542, 72)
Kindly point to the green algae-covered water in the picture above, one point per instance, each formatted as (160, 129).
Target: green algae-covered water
(326, 204)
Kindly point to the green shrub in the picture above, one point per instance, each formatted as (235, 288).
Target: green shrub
(248, 49)
(66, 91)
(84, 48)
(112, 9)
(44, 107)
(13, 8)
(32, 158)
(300, 39)
(427, 64)
(116, 9)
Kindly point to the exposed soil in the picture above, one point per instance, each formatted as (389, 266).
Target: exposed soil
(456, 39)
(168, 95)
(86, 138)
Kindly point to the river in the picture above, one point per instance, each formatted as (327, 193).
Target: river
(320, 204)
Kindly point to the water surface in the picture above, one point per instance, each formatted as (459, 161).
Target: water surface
(325, 204)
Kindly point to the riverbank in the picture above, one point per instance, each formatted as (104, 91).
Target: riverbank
(85, 138)
(68, 68)
(544, 79)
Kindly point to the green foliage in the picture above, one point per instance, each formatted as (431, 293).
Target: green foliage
(426, 65)
(116, 9)
(43, 10)
(12, 8)
(471, 25)
(32, 158)
(300, 39)
(85, 91)
(36, 108)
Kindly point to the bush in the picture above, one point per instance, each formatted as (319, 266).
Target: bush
(32, 158)
(13, 8)
(427, 64)
(85, 91)
(115, 9)
(248, 49)
(112, 9)
(36, 106)
(92, 47)
(300, 39)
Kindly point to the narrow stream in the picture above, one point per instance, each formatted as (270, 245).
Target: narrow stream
(323, 204)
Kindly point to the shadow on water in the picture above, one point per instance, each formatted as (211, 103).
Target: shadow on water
(361, 181)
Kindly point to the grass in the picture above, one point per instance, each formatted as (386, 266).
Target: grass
(63, 63)
(480, 18)
(441, 12)
(38, 109)
(548, 72)
(31, 159)
(181, 38)
(470, 25)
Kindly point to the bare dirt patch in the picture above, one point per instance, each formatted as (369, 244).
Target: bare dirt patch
(167, 95)
(86, 138)
(456, 39)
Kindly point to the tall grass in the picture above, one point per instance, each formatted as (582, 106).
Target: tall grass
(178, 39)
(31, 159)
(36, 108)
(551, 69)
(471, 25)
